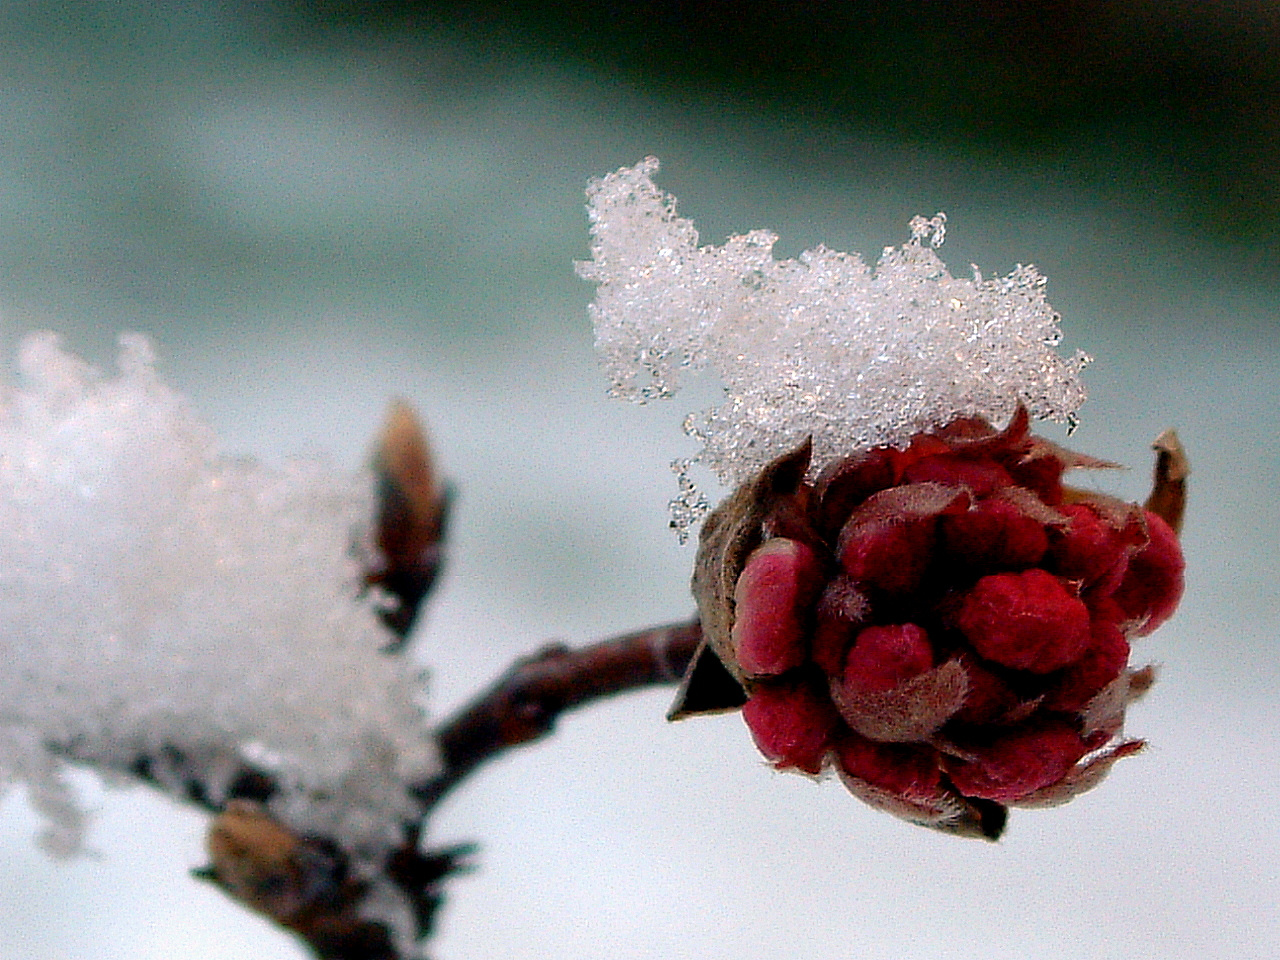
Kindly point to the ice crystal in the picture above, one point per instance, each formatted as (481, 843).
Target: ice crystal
(170, 609)
(822, 345)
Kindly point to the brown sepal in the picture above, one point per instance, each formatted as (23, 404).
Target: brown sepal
(911, 712)
(707, 687)
(916, 501)
(1104, 713)
(946, 811)
(1070, 459)
(1168, 497)
(728, 536)
(1084, 776)
(974, 437)
(1141, 679)
(1031, 506)
(848, 481)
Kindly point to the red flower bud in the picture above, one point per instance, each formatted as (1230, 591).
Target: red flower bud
(1152, 585)
(947, 626)
(1015, 764)
(883, 657)
(775, 585)
(1088, 550)
(995, 534)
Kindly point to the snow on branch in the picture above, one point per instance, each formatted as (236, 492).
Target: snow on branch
(163, 600)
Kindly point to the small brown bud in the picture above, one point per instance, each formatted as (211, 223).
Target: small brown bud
(263, 864)
(413, 507)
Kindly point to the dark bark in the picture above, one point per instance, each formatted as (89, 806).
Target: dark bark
(523, 704)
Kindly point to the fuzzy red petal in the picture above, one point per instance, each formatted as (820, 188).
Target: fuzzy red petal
(1153, 583)
(1028, 621)
(905, 770)
(994, 534)
(793, 724)
(846, 483)
(1106, 658)
(1089, 550)
(981, 477)
(1017, 763)
(840, 612)
(779, 578)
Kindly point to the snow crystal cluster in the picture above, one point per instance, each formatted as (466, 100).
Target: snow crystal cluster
(169, 610)
(821, 346)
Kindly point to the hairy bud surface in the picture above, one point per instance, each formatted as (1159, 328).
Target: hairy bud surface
(946, 626)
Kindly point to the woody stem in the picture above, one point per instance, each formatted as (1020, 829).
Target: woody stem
(523, 704)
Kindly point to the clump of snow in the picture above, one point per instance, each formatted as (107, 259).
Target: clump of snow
(821, 346)
(163, 603)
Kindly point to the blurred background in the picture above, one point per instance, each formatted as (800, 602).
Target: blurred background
(311, 207)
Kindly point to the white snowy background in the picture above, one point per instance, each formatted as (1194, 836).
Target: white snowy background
(305, 235)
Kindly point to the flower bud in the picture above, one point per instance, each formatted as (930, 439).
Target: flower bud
(947, 626)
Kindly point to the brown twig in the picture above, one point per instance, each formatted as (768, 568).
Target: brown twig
(302, 882)
(523, 704)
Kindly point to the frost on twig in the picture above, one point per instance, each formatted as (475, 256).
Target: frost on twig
(821, 346)
(305, 884)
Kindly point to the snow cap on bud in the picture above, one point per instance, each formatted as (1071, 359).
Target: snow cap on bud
(947, 652)
(900, 588)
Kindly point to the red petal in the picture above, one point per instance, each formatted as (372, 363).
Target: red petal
(890, 555)
(841, 611)
(926, 445)
(994, 534)
(1152, 587)
(1017, 763)
(981, 477)
(1028, 621)
(883, 657)
(888, 541)
(792, 724)
(779, 578)
(845, 484)
(987, 699)
(1107, 656)
(905, 770)
(1089, 550)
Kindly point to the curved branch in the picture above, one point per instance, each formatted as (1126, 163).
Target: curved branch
(303, 883)
(523, 704)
